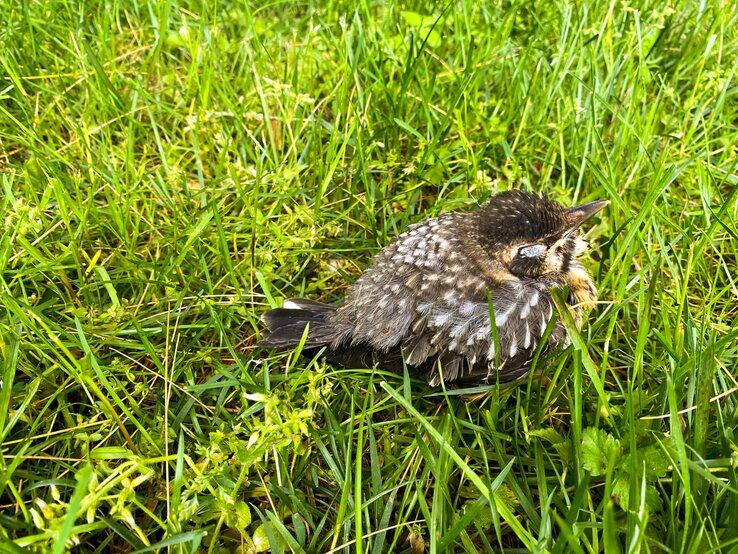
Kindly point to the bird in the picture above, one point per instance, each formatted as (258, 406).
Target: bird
(426, 301)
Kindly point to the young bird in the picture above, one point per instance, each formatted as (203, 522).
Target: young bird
(424, 302)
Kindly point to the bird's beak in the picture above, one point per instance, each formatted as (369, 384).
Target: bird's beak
(580, 214)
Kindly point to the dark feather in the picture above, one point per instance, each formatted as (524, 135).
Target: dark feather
(285, 326)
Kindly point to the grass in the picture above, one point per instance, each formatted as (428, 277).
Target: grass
(170, 170)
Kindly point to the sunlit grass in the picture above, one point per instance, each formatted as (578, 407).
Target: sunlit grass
(171, 170)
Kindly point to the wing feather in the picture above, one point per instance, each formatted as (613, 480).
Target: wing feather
(457, 335)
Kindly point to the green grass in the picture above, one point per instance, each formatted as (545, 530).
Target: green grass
(170, 170)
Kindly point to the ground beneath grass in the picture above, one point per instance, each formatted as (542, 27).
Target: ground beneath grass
(171, 170)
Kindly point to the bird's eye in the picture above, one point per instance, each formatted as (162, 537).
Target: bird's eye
(532, 251)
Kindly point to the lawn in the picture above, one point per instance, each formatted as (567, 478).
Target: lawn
(171, 170)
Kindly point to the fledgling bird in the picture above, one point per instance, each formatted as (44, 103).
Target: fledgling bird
(424, 302)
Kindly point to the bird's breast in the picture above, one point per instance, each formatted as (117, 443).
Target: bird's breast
(582, 292)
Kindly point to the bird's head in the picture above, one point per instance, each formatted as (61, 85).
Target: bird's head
(532, 236)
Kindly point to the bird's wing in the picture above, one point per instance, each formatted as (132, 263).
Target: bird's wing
(458, 334)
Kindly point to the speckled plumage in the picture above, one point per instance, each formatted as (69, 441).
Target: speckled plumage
(424, 302)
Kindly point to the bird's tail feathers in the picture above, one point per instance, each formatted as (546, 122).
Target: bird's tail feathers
(286, 325)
